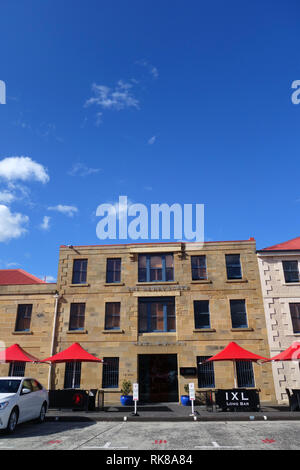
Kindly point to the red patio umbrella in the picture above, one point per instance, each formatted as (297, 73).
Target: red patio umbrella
(74, 353)
(233, 352)
(16, 354)
(290, 354)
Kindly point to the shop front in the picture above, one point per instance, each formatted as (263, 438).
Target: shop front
(157, 376)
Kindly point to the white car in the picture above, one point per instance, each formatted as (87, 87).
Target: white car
(21, 399)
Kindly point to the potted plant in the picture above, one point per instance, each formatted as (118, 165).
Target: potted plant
(126, 397)
(185, 399)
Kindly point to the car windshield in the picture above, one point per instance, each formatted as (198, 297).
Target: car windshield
(9, 386)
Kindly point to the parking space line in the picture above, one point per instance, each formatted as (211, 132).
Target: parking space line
(215, 445)
(106, 446)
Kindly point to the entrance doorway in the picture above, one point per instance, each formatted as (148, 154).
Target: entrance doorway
(158, 377)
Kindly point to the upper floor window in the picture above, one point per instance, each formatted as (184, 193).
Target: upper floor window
(291, 271)
(155, 268)
(295, 315)
(157, 314)
(79, 271)
(198, 267)
(238, 314)
(23, 317)
(77, 314)
(113, 270)
(112, 315)
(201, 314)
(206, 374)
(233, 267)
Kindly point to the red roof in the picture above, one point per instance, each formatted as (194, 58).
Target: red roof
(234, 352)
(17, 276)
(16, 353)
(74, 353)
(290, 354)
(290, 245)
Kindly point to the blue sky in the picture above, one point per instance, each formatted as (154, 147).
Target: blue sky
(175, 102)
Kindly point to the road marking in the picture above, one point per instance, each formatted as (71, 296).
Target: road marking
(106, 446)
(268, 441)
(215, 445)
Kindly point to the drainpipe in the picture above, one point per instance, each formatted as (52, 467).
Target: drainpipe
(56, 297)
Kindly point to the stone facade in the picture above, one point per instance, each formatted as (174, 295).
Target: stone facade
(36, 341)
(277, 295)
(186, 342)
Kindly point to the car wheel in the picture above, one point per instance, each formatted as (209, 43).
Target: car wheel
(42, 415)
(12, 422)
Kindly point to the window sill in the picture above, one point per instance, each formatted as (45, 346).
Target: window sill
(79, 285)
(204, 330)
(76, 332)
(113, 332)
(201, 281)
(112, 284)
(22, 333)
(158, 333)
(111, 390)
(291, 283)
(241, 329)
(234, 281)
(157, 283)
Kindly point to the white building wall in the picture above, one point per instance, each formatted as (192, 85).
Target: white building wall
(277, 295)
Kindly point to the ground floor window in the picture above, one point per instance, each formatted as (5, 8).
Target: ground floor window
(206, 374)
(17, 369)
(110, 376)
(245, 375)
(72, 375)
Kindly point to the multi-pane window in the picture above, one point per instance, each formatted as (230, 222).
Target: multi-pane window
(72, 375)
(295, 315)
(77, 314)
(157, 314)
(238, 314)
(113, 270)
(17, 369)
(79, 271)
(110, 375)
(23, 317)
(155, 268)
(201, 314)
(206, 374)
(233, 267)
(244, 373)
(112, 315)
(291, 271)
(198, 267)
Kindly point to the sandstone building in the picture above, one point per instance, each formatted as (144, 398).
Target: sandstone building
(279, 271)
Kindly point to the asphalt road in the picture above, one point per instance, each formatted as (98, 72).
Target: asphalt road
(164, 436)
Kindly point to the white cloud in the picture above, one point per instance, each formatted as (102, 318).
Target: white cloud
(6, 197)
(11, 224)
(151, 69)
(66, 210)
(22, 168)
(152, 140)
(115, 99)
(45, 225)
(79, 169)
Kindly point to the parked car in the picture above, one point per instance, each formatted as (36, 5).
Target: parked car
(21, 399)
